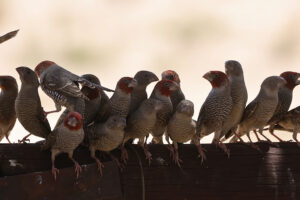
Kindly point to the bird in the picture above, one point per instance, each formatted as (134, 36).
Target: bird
(65, 139)
(162, 92)
(259, 111)
(106, 137)
(181, 128)
(291, 121)
(29, 110)
(63, 86)
(8, 95)
(177, 95)
(140, 124)
(119, 102)
(239, 95)
(216, 108)
(139, 93)
(285, 96)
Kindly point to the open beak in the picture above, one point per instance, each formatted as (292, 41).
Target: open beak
(133, 83)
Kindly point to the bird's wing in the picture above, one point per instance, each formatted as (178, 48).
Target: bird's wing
(250, 109)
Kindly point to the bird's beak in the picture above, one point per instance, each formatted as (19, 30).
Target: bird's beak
(207, 76)
(19, 70)
(174, 86)
(154, 78)
(133, 83)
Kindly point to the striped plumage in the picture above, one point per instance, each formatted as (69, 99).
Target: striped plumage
(65, 139)
(8, 95)
(216, 108)
(28, 105)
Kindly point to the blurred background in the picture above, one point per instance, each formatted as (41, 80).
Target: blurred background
(117, 38)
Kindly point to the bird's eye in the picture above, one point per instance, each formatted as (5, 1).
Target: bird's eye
(171, 77)
(217, 75)
(167, 84)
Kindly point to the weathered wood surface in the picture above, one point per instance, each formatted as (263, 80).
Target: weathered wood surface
(248, 174)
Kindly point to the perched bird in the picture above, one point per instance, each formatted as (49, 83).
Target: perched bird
(239, 95)
(216, 108)
(285, 96)
(106, 137)
(139, 93)
(63, 86)
(64, 139)
(177, 95)
(28, 105)
(140, 124)
(261, 109)
(119, 103)
(8, 95)
(181, 127)
(291, 121)
(162, 92)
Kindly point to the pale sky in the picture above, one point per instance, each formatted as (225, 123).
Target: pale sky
(117, 38)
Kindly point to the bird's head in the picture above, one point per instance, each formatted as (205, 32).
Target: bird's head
(28, 76)
(73, 121)
(42, 66)
(233, 68)
(144, 78)
(273, 83)
(116, 122)
(292, 79)
(216, 78)
(170, 75)
(185, 107)
(8, 83)
(126, 84)
(91, 93)
(165, 87)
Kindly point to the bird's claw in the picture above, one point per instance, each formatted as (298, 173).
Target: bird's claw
(124, 155)
(78, 169)
(24, 141)
(55, 171)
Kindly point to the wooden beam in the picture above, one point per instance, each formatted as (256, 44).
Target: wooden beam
(247, 174)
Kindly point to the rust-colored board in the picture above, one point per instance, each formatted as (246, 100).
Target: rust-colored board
(247, 174)
(41, 185)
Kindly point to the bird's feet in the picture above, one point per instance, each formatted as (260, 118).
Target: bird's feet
(100, 165)
(55, 171)
(177, 160)
(78, 169)
(24, 140)
(116, 160)
(224, 148)
(201, 153)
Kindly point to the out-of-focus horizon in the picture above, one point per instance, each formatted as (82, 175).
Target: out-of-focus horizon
(117, 38)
